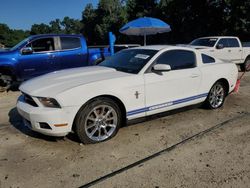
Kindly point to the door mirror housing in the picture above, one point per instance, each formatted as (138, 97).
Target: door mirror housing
(162, 67)
(27, 50)
(219, 46)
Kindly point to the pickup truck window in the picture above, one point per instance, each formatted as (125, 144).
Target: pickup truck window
(42, 45)
(209, 42)
(207, 59)
(68, 43)
(223, 42)
(129, 61)
(178, 59)
(233, 43)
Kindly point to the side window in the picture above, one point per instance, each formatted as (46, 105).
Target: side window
(178, 59)
(68, 43)
(224, 42)
(233, 43)
(207, 59)
(42, 45)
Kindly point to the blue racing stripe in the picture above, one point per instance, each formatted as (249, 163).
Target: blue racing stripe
(167, 104)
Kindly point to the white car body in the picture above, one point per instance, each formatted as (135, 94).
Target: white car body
(233, 53)
(141, 94)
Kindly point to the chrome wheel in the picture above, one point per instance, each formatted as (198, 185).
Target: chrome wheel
(216, 95)
(101, 122)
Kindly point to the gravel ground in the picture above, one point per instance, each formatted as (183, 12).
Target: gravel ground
(218, 158)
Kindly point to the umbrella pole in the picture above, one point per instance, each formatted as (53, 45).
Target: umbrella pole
(145, 40)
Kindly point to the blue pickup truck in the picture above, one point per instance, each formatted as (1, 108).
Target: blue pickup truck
(41, 54)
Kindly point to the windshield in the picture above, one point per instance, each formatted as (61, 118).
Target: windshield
(130, 61)
(19, 44)
(209, 42)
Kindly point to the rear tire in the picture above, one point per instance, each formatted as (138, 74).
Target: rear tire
(216, 96)
(246, 65)
(98, 121)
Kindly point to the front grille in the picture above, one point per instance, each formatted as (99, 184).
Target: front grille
(28, 99)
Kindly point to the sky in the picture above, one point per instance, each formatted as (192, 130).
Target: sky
(21, 14)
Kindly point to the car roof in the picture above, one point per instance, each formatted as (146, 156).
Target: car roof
(163, 47)
(55, 35)
(218, 37)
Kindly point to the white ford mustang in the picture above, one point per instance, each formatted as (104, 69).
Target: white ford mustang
(94, 101)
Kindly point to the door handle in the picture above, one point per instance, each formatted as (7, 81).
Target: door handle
(195, 75)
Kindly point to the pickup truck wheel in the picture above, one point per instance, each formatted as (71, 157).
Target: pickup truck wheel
(98, 121)
(216, 96)
(246, 65)
(5, 82)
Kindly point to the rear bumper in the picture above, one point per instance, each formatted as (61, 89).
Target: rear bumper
(48, 121)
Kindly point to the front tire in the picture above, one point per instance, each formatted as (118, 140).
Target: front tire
(245, 67)
(98, 121)
(5, 82)
(216, 96)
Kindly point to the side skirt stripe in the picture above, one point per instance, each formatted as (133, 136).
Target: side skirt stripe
(163, 105)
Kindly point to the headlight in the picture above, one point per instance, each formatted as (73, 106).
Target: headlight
(49, 102)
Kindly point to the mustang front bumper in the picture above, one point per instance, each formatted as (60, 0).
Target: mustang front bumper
(48, 121)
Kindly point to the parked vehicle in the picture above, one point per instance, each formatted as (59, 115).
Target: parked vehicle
(42, 54)
(225, 48)
(95, 101)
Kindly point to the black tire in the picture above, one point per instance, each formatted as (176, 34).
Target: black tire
(5, 82)
(246, 65)
(221, 99)
(82, 120)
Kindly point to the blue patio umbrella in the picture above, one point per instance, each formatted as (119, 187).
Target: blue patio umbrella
(145, 26)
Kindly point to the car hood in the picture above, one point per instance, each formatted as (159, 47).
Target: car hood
(51, 84)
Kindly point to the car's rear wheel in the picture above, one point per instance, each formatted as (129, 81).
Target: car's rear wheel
(216, 96)
(246, 65)
(98, 121)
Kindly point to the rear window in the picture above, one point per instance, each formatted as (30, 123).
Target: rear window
(233, 43)
(68, 43)
(207, 59)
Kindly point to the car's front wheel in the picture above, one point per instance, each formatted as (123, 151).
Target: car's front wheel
(216, 96)
(98, 121)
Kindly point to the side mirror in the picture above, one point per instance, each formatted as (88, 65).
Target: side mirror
(162, 67)
(219, 46)
(27, 50)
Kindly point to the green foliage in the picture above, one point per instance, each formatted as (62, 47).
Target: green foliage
(188, 19)
(10, 37)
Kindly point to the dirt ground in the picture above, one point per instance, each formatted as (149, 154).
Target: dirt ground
(219, 157)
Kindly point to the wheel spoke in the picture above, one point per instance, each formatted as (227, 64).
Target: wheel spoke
(91, 119)
(91, 125)
(108, 113)
(105, 131)
(99, 134)
(111, 125)
(93, 131)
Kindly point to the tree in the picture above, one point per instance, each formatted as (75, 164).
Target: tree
(88, 22)
(110, 15)
(71, 26)
(137, 8)
(55, 26)
(40, 29)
